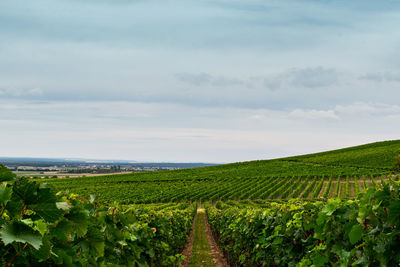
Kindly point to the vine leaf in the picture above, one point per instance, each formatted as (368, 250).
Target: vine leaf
(394, 212)
(319, 260)
(39, 199)
(48, 211)
(5, 174)
(5, 194)
(355, 234)
(80, 222)
(22, 233)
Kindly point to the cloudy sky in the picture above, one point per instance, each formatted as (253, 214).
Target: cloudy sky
(209, 81)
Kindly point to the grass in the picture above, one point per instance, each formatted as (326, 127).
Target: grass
(201, 253)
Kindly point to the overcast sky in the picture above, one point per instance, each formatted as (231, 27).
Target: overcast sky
(204, 81)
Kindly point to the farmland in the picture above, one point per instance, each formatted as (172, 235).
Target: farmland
(360, 232)
(307, 210)
(320, 175)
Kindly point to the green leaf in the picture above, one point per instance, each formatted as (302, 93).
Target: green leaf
(48, 211)
(329, 209)
(5, 194)
(96, 240)
(321, 219)
(80, 221)
(319, 260)
(242, 258)
(33, 193)
(25, 190)
(151, 253)
(22, 233)
(63, 230)
(41, 226)
(278, 240)
(5, 174)
(98, 247)
(394, 212)
(44, 252)
(15, 206)
(355, 234)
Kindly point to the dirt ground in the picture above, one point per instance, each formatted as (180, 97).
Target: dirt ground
(187, 251)
(219, 258)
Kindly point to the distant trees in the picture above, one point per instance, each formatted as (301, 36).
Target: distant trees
(396, 164)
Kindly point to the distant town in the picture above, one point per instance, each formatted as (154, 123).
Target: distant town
(65, 168)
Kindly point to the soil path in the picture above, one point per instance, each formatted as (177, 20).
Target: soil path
(189, 251)
(218, 256)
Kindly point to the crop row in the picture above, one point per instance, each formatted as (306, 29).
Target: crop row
(361, 232)
(378, 155)
(223, 189)
(248, 170)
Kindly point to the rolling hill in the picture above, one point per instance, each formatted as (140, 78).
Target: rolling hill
(336, 173)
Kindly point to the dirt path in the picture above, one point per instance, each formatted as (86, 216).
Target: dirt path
(195, 254)
(218, 256)
(187, 251)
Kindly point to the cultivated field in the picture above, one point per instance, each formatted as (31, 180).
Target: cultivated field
(338, 207)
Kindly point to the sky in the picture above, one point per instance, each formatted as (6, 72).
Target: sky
(196, 81)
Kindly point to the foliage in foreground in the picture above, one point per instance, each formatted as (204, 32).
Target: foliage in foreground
(38, 228)
(362, 232)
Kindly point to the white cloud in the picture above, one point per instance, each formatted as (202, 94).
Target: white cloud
(203, 79)
(385, 76)
(313, 114)
(35, 91)
(304, 78)
(367, 109)
(11, 91)
(309, 77)
(15, 92)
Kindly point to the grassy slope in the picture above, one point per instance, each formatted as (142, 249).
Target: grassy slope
(373, 155)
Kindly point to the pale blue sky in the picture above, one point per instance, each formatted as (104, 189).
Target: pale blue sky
(196, 80)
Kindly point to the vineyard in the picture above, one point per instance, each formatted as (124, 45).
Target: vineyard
(320, 175)
(308, 210)
(309, 187)
(360, 232)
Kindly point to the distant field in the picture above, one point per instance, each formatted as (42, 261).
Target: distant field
(49, 174)
(319, 175)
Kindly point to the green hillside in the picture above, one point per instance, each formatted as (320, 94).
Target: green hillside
(339, 173)
(374, 155)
